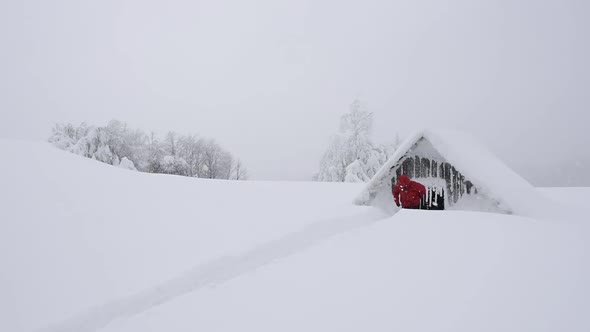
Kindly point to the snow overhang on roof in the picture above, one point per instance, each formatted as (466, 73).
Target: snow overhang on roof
(492, 177)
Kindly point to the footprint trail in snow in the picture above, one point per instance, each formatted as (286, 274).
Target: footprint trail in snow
(214, 272)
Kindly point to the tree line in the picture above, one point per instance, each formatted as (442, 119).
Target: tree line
(117, 144)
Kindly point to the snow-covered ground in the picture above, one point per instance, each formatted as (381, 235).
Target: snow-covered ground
(85, 246)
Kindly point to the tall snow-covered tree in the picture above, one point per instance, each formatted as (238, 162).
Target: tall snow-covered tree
(127, 143)
(351, 156)
(333, 162)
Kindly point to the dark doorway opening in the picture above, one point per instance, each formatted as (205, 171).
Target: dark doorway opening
(433, 200)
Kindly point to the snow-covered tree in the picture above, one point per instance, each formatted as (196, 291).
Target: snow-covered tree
(174, 165)
(154, 155)
(63, 136)
(355, 172)
(127, 164)
(217, 163)
(351, 156)
(239, 172)
(106, 144)
(333, 162)
(127, 143)
(170, 143)
(103, 153)
(191, 149)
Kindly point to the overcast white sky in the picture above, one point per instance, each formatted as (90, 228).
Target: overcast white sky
(269, 78)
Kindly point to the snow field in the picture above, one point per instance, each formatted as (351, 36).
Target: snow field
(86, 246)
(460, 271)
(75, 233)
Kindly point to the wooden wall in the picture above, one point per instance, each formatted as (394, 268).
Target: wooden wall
(415, 168)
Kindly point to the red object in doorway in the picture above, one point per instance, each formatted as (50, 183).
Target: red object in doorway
(408, 193)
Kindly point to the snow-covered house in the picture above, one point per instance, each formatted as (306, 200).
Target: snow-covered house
(459, 174)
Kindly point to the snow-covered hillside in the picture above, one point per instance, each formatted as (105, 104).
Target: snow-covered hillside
(86, 246)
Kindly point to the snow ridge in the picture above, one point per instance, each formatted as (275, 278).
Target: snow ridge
(214, 272)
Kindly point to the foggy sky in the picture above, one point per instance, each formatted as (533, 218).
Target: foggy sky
(269, 79)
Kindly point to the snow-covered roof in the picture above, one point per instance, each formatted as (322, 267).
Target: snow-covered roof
(475, 162)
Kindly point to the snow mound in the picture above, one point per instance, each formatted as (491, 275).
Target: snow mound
(125, 163)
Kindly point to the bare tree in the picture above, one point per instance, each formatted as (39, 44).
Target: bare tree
(170, 143)
(239, 172)
(155, 153)
(217, 163)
